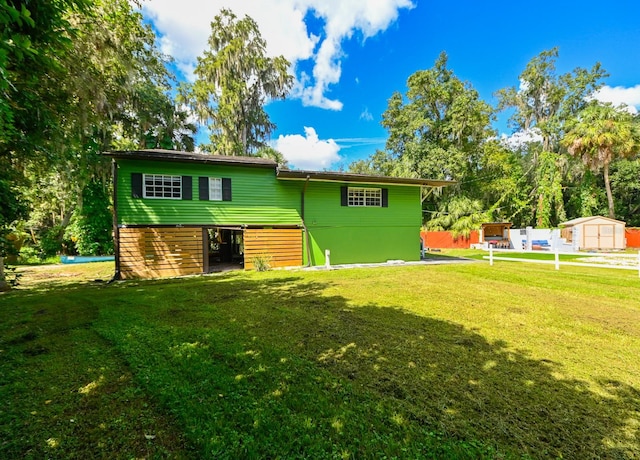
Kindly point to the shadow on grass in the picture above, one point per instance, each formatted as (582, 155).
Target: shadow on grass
(436, 255)
(66, 393)
(232, 355)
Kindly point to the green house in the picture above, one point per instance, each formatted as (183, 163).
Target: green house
(178, 213)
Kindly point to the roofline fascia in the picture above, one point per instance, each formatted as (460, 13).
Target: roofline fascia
(174, 158)
(371, 180)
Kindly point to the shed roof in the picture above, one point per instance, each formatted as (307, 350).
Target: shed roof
(285, 174)
(582, 220)
(506, 224)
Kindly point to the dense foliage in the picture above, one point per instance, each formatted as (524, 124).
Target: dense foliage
(548, 171)
(234, 79)
(80, 77)
(77, 77)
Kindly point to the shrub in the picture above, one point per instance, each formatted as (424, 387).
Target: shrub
(91, 226)
(262, 263)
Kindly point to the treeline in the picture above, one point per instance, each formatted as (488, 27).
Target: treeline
(77, 77)
(80, 77)
(569, 156)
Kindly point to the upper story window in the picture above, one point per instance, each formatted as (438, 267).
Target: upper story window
(215, 189)
(161, 186)
(369, 197)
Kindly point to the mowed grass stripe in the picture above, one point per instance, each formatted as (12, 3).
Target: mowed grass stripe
(459, 361)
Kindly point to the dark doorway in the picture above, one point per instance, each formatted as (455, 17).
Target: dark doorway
(225, 249)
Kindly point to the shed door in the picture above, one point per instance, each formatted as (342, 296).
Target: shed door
(607, 237)
(599, 236)
(590, 237)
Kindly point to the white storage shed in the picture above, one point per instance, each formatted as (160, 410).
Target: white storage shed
(595, 232)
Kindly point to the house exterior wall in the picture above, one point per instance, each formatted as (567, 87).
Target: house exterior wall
(362, 234)
(261, 201)
(257, 197)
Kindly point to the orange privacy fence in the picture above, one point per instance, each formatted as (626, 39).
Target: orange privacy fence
(445, 240)
(633, 237)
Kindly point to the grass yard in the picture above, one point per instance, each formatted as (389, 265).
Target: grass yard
(441, 361)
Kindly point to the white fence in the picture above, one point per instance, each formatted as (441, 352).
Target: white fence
(602, 260)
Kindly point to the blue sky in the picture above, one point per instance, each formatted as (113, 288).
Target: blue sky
(349, 56)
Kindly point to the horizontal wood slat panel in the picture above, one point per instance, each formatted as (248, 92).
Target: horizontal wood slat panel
(255, 253)
(283, 247)
(278, 248)
(146, 271)
(160, 252)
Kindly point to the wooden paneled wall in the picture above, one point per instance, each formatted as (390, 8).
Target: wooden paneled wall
(281, 246)
(160, 252)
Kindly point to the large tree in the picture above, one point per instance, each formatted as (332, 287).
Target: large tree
(78, 77)
(545, 100)
(234, 80)
(440, 126)
(626, 190)
(543, 104)
(436, 130)
(600, 134)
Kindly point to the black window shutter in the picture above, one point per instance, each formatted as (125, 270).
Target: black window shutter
(343, 196)
(136, 185)
(226, 189)
(385, 198)
(187, 192)
(203, 188)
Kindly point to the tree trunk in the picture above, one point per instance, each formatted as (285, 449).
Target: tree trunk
(4, 286)
(607, 185)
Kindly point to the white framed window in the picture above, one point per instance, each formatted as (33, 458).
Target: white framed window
(161, 186)
(215, 189)
(368, 197)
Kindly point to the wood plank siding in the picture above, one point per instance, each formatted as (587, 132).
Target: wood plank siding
(160, 252)
(283, 246)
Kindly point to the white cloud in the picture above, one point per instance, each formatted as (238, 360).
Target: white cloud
(308, 152)
(184, 28)
(620, 96)
(520, 139)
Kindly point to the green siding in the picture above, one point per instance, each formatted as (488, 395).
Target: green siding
(352, 234)
(258, 198)
(350, 245)
(363, 234)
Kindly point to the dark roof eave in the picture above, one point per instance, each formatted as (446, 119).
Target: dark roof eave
(359, 178)
(178, 156)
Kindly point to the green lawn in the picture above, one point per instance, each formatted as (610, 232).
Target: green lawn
(440, 361)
